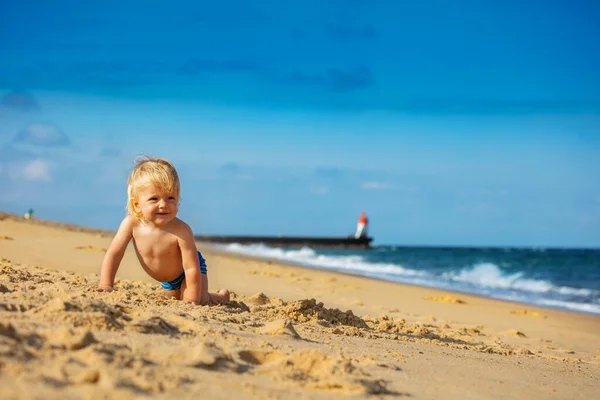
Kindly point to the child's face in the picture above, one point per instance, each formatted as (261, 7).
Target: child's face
(157, 206)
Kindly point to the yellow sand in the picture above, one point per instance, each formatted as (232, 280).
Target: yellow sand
(446, 299)
(91, 248)
(290, 332)
(528, 313)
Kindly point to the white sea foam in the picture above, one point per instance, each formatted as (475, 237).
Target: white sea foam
(585, 307)
(306, 256)
(488, 275)
(485, 278)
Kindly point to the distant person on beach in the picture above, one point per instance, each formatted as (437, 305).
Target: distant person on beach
(28, 214)
(164, 244)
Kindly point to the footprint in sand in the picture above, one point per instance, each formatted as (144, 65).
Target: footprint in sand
(91, 248)
(4, 237)
(446, 299)
(528, 313)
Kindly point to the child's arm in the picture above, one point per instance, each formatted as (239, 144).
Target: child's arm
(191, 265)
(114, 255)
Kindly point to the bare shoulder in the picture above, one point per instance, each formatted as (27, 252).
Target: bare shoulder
(128, 224)
(181, 229)
(123, 236)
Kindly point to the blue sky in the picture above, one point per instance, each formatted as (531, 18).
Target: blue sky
(450, 123)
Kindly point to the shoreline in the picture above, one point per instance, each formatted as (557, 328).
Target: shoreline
(241, 256)
(413, 290)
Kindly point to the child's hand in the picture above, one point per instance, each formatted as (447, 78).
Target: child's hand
(103, 288)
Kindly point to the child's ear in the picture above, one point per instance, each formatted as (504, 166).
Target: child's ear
(136, 206)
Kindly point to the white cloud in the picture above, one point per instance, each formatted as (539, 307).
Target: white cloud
(36, 170)
(376, 185)
(42, 134)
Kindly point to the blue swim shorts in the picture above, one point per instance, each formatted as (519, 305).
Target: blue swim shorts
(176, 283)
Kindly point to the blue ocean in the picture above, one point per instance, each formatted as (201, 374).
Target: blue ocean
(567, 279)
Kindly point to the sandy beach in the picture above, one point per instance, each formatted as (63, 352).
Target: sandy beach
(289, 332)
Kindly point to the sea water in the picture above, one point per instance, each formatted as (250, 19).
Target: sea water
(566, 279)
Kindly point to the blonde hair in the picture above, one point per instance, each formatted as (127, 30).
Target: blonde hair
(150, 171)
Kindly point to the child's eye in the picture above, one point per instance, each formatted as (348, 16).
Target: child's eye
(171, 197)
(153, 198)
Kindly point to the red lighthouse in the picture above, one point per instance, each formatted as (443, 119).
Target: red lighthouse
(362, 226)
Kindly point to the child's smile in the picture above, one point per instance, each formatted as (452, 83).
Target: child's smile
(156, 206)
